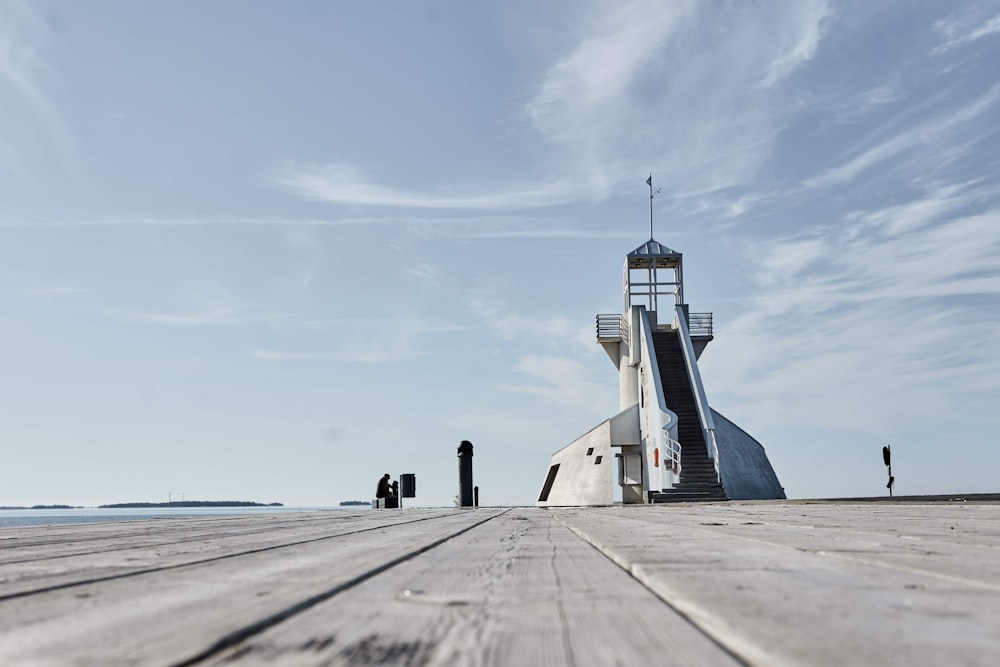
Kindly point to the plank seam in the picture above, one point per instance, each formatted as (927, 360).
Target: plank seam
(165, 568)
(151, 545)
(237, 636)
(706, 632)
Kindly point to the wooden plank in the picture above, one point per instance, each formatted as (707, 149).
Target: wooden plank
(520, 590)
(41, 565)
(805, 584)
(166, 616)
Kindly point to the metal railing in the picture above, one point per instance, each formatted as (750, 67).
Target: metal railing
(672, 455)
(612, 327)
(701, 401)
(659, 423)
(700, 324)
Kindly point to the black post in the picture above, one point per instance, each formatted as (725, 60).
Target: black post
(465, 492)
(887, 459)
(475, 496)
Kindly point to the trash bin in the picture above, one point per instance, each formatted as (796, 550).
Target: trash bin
(408, 485)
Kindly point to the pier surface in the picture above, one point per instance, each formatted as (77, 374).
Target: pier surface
(763, 583)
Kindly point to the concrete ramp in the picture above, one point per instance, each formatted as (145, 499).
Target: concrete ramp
(743, 463)
(581, 472)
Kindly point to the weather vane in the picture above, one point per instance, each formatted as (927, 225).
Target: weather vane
(649, 182)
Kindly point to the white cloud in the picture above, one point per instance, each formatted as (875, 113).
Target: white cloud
(343, 183)
(43, 292)
(920, 212)
(864, 103)
(552, 330)
(22, 34)
(674, 88)
(919, 135)
(562, 381)
(677, 88)
(424, 273)
(809, 32)
(886, 318)
(217, 318)
(985, 29)
(367, 340)
(458, 227)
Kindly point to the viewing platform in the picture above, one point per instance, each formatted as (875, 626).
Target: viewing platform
(756, 582)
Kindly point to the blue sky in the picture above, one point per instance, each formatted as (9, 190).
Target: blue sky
(269, 251)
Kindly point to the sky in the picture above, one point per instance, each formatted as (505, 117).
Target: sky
(270, 251)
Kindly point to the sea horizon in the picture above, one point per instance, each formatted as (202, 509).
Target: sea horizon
(42, 517)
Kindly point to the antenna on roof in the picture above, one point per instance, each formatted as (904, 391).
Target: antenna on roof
(649, 182)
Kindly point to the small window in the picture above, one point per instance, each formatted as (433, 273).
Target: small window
(548, 483)
(598, 460)
(590, 451)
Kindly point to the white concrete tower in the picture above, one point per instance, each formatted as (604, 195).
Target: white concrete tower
(662, 445)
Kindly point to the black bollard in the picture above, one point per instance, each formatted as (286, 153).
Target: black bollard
(465, 498)
(475, 496)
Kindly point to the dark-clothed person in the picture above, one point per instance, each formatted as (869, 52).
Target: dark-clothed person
(383, 490)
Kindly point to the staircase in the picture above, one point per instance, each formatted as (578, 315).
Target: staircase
(698, 479)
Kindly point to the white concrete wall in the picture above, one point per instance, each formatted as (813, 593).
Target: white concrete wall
(656, 419)
(746, 471)
(583, 478)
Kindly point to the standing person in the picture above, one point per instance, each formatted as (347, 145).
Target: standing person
(383, 490)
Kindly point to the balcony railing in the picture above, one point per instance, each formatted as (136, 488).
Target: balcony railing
(700, 324)
(612, 327)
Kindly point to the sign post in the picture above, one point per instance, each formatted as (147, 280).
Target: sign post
(887, 459)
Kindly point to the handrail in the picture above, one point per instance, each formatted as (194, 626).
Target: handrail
(700, 324)
(701, 401)
(612, 327)
(672, 455)
(661, 421)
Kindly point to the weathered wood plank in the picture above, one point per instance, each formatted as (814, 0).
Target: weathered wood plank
(793, 584)
(165, 616)
(42, 566)
(520, 590)
(775, 583)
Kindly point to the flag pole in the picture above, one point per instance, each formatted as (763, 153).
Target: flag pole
(649, 182)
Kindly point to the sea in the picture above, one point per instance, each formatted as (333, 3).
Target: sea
(52, 517)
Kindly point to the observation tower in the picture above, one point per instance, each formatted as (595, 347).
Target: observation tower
(666, 443)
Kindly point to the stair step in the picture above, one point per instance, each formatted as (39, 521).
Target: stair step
(698, 480)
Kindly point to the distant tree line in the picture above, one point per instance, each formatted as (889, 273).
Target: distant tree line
(191, 503)
(37, 507)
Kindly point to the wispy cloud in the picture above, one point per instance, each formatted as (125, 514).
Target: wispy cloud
(872, 314)
(808, 30)
(554, 331)
(344, 183)
(197, 221)
(862, 104)
(365, 341)
(45, 292)
(206, 304)
(918, 135)
(645, 87)
(561, 381)
(22, 34)
(217, 318)
(984, 29)
(938, 201)
(467, 227)
(649, 88)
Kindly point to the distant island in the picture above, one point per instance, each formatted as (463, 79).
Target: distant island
(37, 507)
(191, 503)
(345, 503)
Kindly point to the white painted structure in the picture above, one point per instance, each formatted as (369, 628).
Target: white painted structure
(643, 436)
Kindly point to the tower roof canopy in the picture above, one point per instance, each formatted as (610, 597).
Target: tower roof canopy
(653, 254)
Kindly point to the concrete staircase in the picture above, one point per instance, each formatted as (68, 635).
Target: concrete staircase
(698, 480)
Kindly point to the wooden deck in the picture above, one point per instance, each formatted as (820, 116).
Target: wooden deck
(767, 583)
